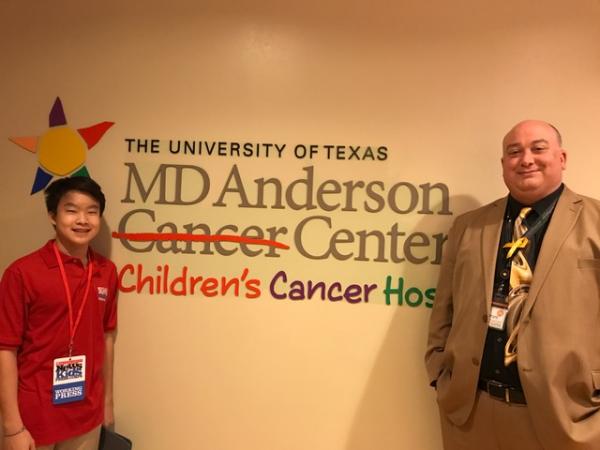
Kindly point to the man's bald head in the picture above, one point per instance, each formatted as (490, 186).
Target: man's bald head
(532, 160)
(533, 122)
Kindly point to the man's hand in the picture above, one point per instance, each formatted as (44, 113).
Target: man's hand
(109, 415)
(9, 406)
(21, 441)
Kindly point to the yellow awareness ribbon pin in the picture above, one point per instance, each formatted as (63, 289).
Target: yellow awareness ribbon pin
(514, 246)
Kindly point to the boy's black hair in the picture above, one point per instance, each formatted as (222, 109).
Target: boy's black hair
(57, 189)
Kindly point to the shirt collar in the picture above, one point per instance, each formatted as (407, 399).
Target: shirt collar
(514, 206)
(47, 254)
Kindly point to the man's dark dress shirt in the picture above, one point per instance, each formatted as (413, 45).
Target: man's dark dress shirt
(492, 363)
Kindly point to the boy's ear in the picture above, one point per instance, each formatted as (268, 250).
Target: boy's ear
(52, 218)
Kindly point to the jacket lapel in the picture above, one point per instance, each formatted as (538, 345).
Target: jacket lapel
(490, 237)
(563, 219)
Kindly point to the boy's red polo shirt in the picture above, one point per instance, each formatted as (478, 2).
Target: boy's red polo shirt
(34, 320)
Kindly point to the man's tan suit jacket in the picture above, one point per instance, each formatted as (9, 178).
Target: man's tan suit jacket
(559, 341)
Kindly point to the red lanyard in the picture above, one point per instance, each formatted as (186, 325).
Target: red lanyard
(73, 326)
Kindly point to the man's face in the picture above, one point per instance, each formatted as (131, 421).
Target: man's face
(532, 161)
(77, 221)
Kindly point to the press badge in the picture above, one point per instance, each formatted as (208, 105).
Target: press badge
(497, 317)
(68, 384)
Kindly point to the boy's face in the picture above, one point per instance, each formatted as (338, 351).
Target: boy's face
(77, 220)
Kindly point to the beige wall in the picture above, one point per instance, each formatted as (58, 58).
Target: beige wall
(437, 83)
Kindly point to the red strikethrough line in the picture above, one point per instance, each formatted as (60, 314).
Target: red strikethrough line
(197, 238)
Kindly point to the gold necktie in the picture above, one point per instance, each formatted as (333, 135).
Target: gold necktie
(520, 280)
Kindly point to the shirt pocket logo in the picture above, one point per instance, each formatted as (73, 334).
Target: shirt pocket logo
(102, 294)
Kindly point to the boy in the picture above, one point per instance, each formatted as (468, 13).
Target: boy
(58, 319)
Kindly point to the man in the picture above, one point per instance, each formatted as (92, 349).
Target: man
(57, 328)
(514, 336)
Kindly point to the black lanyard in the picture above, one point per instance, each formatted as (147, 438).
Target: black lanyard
(542, 220)
(501, 291)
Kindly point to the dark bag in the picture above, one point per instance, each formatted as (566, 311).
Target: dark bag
(109, 440)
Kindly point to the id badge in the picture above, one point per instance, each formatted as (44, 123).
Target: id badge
(497, 317)
(68, 379)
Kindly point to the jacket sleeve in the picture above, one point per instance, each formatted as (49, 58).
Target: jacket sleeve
(440, 322)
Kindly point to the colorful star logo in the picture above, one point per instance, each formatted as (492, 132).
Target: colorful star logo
(61, 150)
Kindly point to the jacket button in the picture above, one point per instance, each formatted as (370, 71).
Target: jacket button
(475, 361)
